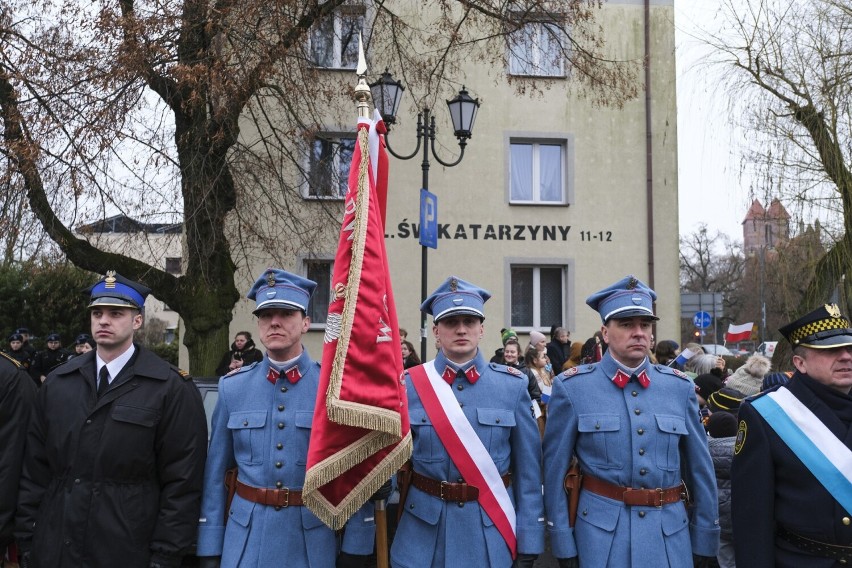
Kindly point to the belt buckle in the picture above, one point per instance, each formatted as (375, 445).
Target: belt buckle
(659, 502)
(286, 492)
(443, 485)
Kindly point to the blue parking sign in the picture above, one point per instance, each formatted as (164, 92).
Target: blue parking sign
(428, 219)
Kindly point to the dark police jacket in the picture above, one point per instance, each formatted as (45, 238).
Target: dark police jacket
(17, 393)
(114, 481)
(771, 486)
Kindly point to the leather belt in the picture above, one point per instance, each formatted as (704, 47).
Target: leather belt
(634, 497)
(843, 554)
(457, 492)
(272, 497)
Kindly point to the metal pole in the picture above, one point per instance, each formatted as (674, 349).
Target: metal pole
(428, 133)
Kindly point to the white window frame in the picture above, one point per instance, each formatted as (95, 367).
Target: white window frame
(334, 138)
(348, 10)
(329, 260)
(567, 266)
(542, 31)
(566, 183)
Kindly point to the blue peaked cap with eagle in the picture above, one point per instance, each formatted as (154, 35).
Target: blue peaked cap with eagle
(114, 290)
(277, 288)
(627, 298)
(456, 297)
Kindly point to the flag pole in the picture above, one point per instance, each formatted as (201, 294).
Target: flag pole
(363, 98)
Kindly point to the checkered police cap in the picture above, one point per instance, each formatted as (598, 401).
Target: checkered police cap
(823, 328)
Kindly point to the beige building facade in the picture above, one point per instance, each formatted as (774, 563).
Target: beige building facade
(555, 197)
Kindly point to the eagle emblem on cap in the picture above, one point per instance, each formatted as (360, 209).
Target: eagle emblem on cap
(832, 310)
(454, 285)
(270, 279)
(632, 283)
(109, 281)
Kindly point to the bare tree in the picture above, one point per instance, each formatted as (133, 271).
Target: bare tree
(203, 112)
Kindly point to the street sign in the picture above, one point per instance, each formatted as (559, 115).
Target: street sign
(691, 302)
(428, 219)
(702, 320)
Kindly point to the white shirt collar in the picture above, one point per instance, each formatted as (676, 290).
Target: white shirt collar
(115, 366)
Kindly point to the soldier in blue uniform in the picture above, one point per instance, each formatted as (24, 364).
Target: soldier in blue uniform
(633, 427)
(450, 519)
(261, 425)
(791, 476)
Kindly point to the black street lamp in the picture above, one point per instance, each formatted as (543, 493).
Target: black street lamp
(387, 94)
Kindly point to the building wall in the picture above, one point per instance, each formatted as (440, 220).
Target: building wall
(600, 236)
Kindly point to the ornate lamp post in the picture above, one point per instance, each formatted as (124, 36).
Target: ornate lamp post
(387, 94)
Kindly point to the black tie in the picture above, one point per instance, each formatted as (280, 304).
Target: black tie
(103, 381)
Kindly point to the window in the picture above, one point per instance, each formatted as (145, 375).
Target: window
(537, 294)
(173, 264)
(320, 271)
(334, 40)
(537, 172)
(328, 167)
(536, 49)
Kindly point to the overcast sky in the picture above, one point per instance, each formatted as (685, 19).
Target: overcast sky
(711, 190)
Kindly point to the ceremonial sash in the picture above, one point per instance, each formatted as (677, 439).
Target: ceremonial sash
(465, 449)
(826, 456)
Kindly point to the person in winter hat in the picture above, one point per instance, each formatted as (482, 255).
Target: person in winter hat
(748, 379)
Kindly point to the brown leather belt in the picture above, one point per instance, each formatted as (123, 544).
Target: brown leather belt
(272, 497)
(634, 497)
(458, 492)
(843, 554)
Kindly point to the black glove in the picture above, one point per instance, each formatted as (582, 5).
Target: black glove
(525, 560)
(569, 562)
(209, 561)
(703, 561)
(383, 493)
(346, 560)
(24, 559)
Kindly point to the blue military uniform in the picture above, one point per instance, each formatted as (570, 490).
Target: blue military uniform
(774, 494)
(629, 428)
(437, 533)
(262, 426)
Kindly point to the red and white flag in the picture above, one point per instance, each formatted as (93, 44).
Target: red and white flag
(360, 435)
(739, 332)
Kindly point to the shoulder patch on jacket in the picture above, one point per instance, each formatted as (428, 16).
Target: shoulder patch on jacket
(184, 374)
(13, 360)
(500, 368)
(242, 369)
(666, 370)
(574, 371)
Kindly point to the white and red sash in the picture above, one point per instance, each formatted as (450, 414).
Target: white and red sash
(465, 449)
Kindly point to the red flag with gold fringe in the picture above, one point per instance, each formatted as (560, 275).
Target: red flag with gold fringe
(360, 435)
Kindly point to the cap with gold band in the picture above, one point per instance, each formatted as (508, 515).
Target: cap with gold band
(823, 328)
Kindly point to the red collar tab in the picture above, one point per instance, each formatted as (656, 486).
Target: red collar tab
(644, 379)
(272, 375)
(450, 374)
(293, 374)
(621, 379)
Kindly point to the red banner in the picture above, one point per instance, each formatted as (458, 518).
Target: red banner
(360, 435)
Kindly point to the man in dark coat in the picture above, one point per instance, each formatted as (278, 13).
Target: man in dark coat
(48, 359)
(791, 479)
(115, 451)
(17, 392)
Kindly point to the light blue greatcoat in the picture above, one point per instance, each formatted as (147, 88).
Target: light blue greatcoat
(637, 437)
(436, 533)
(264, 429)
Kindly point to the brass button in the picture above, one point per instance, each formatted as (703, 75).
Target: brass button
(279, 485)
(641, 514)
(846, 521)
(641, 451)
(634, 393)
(280, 425)
(280, 407)
(640, 431)
(278, 465)
(279, 445)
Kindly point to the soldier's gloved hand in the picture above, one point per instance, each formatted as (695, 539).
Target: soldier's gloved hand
(569, 562)
(703, 561)
(525, 560)
(209, 561)
(383, 493)
(346, 560)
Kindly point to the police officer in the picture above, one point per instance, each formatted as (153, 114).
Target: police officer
(115, 451)
(791, 478)
(474, 490)
(261, 426)
(634, 430)
(17, 352)
(48, 359)
(17, 393)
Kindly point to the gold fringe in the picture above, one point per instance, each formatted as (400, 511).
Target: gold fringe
(335, 517)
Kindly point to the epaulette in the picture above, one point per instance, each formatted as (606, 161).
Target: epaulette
(506, 369)
(13, 360)
(574, 371)
(666, 370)
(184, 374)
(242, 369)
